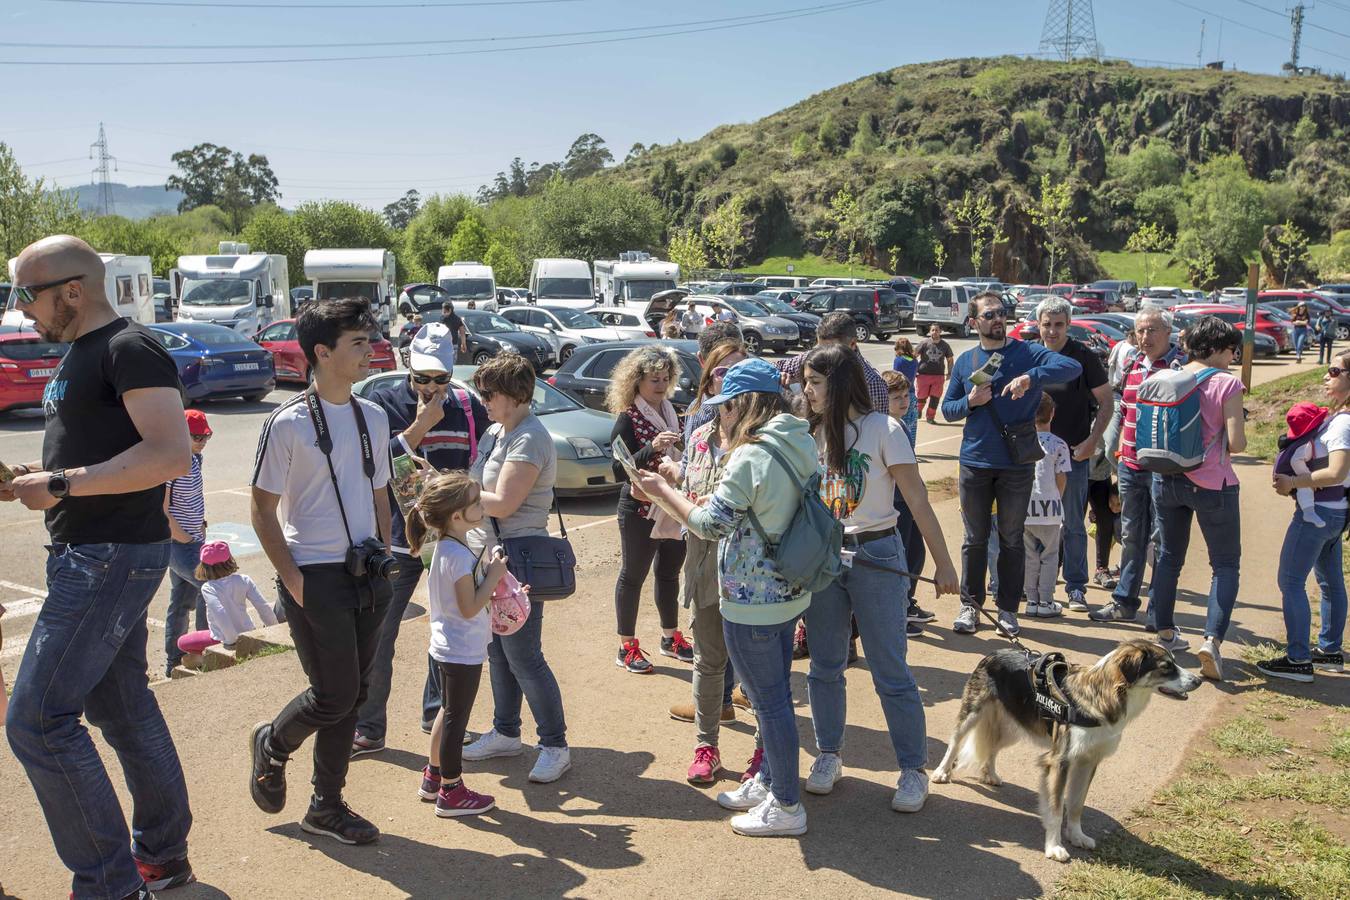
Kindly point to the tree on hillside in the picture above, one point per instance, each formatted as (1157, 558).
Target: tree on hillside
(724, 231)
(865, 139)
(148, 237)
(30, 209)
(637, 151)
(1147, 239)
(507, 265)
(845, 215)
(686, 250)
(828, 134)
(337, 223)
(218, 176)
(1224, 213)
(939, 254)
(1287, 248)
(469, 242)
(399, 213)
(1053, 214)
(428, 234)
(587, 155)
(273, 230)
(973, 216)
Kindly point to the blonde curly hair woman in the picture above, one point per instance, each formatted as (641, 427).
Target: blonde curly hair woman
(647, 425)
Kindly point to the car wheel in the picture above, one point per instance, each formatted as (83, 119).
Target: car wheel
(753, 343)
(565, 354)
(861, 332)
(883, 336)
(481, 357)
(1342, 332)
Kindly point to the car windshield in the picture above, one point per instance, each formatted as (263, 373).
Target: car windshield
(25, 351)
(217, 292)
(773, 304)
(217, 337)
(644, 289)
(486, 323)
(820, 301)
(566, 288)
(468, 288)
(746, 307)
(341, 290)
(1110, 331)
(571, 318)
(548, 399)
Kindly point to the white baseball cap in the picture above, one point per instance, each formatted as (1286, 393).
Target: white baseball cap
(432, 350)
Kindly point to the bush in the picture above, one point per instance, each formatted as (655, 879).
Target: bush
(724, 155)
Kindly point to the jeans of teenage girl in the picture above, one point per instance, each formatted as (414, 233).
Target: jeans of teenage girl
(1310, 548)
(1176, 501)
(762, 655)
(1300, 341)
(911, 419)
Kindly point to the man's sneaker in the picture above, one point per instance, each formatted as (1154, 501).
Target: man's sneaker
(431, 785)
(1044, 609)
(707, 761)
(551, 764)
(911, 791)
(1211, 661)
(337, 821)
(1175, 644)
(1150, 620)
(825, 771)
(1328, 662)
(800, 649)
(492, 745)
(740, 700)
(632, 658)
(852, 651)
(966, 620)
(165, 876)
(749, 795)
(1112, 612)
(1008, 621)
(913, 629)
(685, 712)
(427, 726)
(268, 785)
(1078, 601)
(460, 801)
(752, 767)
(1103, 579)
(916, 613)
(1281, 667)
(771, 819)
(676, 647)
(362, 745)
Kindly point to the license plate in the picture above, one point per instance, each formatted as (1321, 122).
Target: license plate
(41, 373)
(246, 367)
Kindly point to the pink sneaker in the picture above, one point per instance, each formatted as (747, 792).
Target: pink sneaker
(752, 769)
(460, 801)
(707, 760)
(431, 785)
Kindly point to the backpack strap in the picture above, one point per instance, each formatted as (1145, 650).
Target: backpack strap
(782, 461)
(464, 404)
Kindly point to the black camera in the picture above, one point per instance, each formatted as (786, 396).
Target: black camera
(369, 560)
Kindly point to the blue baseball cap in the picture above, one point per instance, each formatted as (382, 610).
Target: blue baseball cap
(749, 376)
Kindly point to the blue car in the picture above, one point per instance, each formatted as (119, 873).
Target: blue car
(215, 361)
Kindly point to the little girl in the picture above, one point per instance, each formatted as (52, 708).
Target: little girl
(460, 630)
(225, 593)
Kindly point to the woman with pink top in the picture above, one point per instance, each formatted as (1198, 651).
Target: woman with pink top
(1208, 493)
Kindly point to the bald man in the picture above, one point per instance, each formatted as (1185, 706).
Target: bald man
(115, 433)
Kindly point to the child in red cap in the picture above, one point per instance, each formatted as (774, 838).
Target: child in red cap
(1304, 419)
(185, 508)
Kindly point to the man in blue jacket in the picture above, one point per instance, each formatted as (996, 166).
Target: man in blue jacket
(429, 420)
(988, 474)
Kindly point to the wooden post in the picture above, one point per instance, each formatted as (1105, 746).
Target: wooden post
(1249, 330)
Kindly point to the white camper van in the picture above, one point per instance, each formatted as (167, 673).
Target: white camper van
(562, 282)
(127, 281)
(633, 278)
(235, 288)
(368, 274)
(468, 280)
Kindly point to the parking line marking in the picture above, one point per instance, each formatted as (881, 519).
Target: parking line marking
(35, 592)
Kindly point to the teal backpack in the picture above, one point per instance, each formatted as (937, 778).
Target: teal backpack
(807, 555)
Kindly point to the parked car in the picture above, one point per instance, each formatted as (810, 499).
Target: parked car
(1089, 333)
(759, 330)
(733, 289)
(1340, 293)
(806, 322)
(1128, 291)
(1339, 314)
(215, 361)
(1027, 303)
(573, 328)
(1266, 323)
(507, 296)
(627, 324)
(877, 311)
(422, 299)
(1091, 299)
(489, 334)
(786, 295)
(1164, 297)
(581, 436)
(586, 374)
(300, 296)
(1062, 289)
(27, 363)
(945, 304)
(289, 360)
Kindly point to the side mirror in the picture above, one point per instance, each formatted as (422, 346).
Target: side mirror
(266, 301)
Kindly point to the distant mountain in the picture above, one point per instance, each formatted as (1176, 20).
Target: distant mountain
(140, 201)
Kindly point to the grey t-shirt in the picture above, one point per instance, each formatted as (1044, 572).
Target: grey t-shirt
(529, 443)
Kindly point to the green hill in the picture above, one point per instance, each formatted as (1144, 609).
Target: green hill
(1133, 145)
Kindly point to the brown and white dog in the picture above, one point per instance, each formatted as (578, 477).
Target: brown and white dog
(998, 707)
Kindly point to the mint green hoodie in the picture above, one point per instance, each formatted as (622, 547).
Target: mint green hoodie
(752, 592)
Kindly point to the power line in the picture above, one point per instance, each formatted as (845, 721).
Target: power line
(429, 4)
(1304, 23)
(817, 11)
(1253, 28)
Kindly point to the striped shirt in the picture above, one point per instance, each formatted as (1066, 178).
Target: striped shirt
(1137, 369)
(186, 503)
(876, 385)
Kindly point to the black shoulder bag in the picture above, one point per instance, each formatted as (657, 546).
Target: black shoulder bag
(546, 563)
(1023, 446)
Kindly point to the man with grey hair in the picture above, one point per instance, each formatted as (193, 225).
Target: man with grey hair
(1138, 526)
(1083, 408)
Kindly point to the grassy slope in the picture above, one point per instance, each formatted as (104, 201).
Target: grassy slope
(1130, 267)
(810, 264)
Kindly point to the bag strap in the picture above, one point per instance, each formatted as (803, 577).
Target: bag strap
(325, 442)
(781, 460)
(467, 406)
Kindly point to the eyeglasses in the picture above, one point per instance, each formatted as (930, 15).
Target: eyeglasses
(1336, 371)
(203, 438)
(26, 295)
(429, 379)
(486, 395)
(990, 315)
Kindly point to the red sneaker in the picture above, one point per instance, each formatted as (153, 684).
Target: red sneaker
(707, 760)
(165, 876)
(632, 658)
(460, 801)
(752, 769)
(676, 647)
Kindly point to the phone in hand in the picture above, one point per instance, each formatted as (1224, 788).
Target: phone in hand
(6, 474)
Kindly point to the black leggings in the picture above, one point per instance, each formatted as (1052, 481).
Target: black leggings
(639, 550)
(459, 686)
(1099, 498)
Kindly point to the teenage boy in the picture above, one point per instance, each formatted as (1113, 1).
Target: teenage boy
(185, 508)
(323, 464)
(908, 529)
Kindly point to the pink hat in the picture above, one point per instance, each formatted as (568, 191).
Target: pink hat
(215, 553)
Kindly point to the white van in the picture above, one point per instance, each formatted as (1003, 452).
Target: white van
(562, 282)
(633, 278)
(235, 288)
(370, 274)
(782, 281)
(127, 282)
(469, 280)
(946, 304)
(836, 282)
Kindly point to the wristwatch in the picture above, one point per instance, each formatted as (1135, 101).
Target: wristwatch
(58, 485)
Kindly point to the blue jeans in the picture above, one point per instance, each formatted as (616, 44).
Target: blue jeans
(1074, 555)
(1137, 526)
(762, 655)
(1300, 340)
(86, 657)
(877, 599)
(911, 419)
(1176, 500)
(1306, 548)
(519, 671)
(185, 595)
(373, 720)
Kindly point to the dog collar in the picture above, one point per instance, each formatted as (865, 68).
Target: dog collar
(1047, 671)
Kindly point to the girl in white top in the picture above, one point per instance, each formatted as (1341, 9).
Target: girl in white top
(451, 506)
(227, 593)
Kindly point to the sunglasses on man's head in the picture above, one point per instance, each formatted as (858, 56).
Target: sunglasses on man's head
(429, 379)
(990, 314)
(1336, 371)
(26, 295)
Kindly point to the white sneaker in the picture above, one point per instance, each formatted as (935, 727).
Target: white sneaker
(1176, 643)
(825, 771)
(1211, 661)
(1009, 622)
(551, 764)
(911, 791)
(492, 745)
(771, 818)
(1049, 609)
(749, 795)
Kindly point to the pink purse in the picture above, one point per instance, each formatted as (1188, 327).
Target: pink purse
(509, 607)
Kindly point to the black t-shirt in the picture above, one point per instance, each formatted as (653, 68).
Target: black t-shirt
(1074, 403)
(87, 424)
(455, 324)
(933, 356)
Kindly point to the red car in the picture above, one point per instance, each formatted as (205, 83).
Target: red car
(1237, 317)
(289, 360)
(1090, 299)
(1063, 289)
(27, 363)
(1084, 330)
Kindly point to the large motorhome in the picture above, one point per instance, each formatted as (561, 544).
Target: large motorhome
(562, 282)
(127, 282)
(367, 273)
(633, 278)
(468, 280)
(236, 288)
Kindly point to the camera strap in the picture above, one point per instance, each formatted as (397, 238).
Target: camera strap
(325, 441)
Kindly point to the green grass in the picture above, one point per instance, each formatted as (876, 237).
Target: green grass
(1267, 404)
(1245, 736)
(813, 266)
(1130, 267)
(269, 650)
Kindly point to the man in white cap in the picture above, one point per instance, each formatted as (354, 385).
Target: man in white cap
(440, 424)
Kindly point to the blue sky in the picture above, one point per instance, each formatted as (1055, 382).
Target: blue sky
(368, 130)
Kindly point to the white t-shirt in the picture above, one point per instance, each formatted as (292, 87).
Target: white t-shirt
(1046, 507)
(291, 465)
(226, 614)
(863, 497)
(1335, 436)
(455, 639)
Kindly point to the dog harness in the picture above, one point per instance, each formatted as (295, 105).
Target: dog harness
(1047, 671)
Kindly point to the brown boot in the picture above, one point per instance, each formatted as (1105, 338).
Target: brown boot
(684, 712)
(738, 699)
